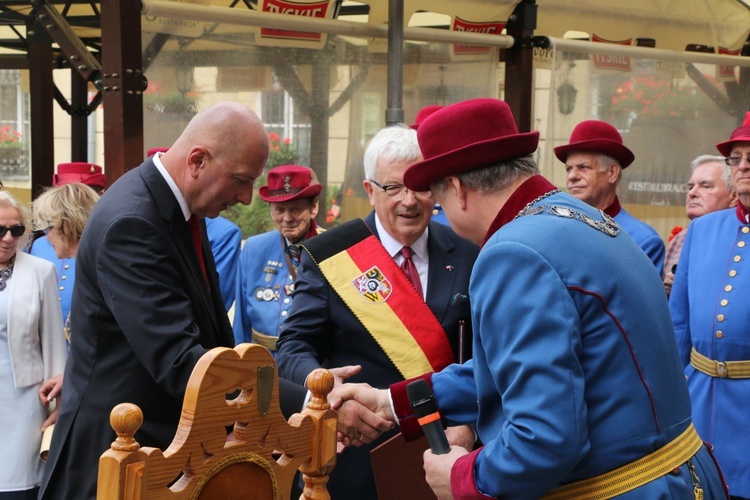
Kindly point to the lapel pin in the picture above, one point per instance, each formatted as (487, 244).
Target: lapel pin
(449, 268)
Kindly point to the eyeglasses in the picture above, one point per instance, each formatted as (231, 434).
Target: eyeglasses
(15, 231)
(734, 161)
(394, 190)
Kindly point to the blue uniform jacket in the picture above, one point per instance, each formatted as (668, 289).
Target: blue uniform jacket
(262, 298)
(66, 272)
(646, 237)
(225, 238)
(575, 369)
(710, 306)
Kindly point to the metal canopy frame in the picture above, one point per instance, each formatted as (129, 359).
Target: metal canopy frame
(95, 40)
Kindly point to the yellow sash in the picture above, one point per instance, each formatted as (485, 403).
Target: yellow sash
(382, 298)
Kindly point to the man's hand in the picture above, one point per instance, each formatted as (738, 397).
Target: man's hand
(437, 470)
(461, 435)
(358, 425)
(50, 390)
(364, 413)
(341, 373)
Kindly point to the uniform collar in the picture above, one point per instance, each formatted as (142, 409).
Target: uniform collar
(531, 189)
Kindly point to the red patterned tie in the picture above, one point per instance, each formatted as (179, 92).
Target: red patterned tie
(195, 233)
(410, 269)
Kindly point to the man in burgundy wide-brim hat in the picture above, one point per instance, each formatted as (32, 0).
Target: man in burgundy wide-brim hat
(594, 160)
(711, 316)
(575, 373)
(268, 262)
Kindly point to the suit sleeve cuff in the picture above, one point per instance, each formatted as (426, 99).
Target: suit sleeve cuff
(463, 482)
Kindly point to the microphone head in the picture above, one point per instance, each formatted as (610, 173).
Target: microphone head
(421, 398)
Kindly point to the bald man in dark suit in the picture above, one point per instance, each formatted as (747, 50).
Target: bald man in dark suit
(146, 304)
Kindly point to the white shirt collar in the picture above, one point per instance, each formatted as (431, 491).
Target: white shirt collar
(175, 190)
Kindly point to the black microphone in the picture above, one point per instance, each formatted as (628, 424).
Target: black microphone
(422, 401)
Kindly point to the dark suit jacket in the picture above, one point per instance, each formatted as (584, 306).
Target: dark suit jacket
(321, 331)
(141, 317)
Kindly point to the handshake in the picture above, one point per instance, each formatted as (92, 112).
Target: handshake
(364, 412)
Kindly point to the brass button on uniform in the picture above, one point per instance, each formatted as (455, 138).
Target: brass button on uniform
(62, 288)
(63, 277)
(720, 318)
(737, 258)
(732, 273)
(719, 334)
(746, 229)
(741, 244)
(66, 266)
(728, 288)
(724, 302)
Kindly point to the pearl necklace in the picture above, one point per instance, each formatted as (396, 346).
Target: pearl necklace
(6, 273)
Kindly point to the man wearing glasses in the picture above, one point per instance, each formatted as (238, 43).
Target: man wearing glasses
(386, 292)
(709, 308)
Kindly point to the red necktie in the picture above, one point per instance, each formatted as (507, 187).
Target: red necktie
(195, 233)
(411, 270)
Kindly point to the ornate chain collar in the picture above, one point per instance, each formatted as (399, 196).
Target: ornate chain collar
(6, 273)
(607, 226)
(535, 200)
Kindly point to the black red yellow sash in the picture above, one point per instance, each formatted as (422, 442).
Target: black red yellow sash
(382, 298)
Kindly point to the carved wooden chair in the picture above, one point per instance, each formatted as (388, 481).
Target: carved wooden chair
(258, 462)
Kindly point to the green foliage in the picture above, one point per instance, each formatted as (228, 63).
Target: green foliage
(646, 95)
(254, 218)
(9, 138)
(281, 152)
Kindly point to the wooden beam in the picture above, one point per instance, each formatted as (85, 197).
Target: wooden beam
(122, 85)
(41, 97)
(519, 64)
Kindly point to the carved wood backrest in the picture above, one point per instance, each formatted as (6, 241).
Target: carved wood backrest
(258, 462)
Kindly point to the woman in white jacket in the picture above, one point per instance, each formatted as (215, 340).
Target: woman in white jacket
(32, 350)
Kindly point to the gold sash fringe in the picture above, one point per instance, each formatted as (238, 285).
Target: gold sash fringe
(631, 476)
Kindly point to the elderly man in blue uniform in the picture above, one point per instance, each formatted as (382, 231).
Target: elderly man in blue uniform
(709, 189)
(711, 313)
(85, 173)
(268, 263)
(576, 385)
(387, 292)
(594, 160)
(225, 239)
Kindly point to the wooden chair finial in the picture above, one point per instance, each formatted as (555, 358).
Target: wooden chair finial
(126, 419)
(320, 383)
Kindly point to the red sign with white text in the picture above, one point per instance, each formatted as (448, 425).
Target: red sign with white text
(614, 62)
(318, 9)
(726, 73)
(486, 27)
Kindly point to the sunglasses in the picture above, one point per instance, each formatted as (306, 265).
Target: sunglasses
(15, 231)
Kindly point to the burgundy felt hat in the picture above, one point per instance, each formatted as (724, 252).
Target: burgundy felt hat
(424, 113)
(85, 173)
(153, 151)
(599, 137)
(741, 134)
(289, 182)
(465, 136)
